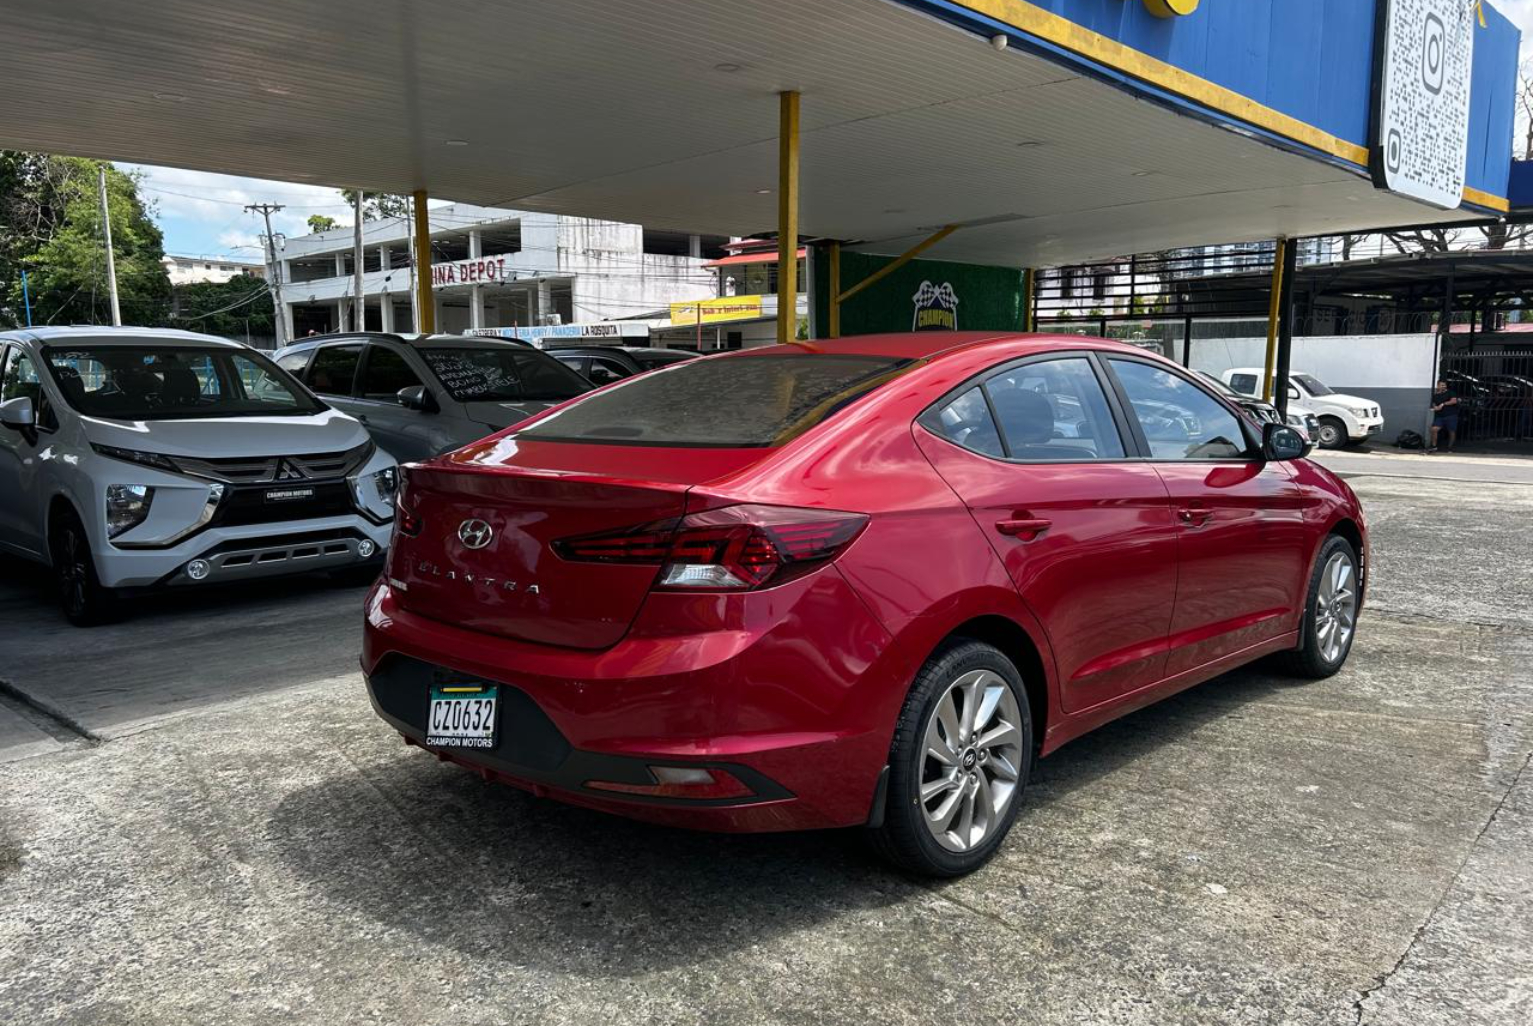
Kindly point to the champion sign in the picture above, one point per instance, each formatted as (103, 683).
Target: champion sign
(469, 272)
(936, 308)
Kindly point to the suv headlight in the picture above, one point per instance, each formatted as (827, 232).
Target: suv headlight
(147, 459)
(374, 493)
(127, 506)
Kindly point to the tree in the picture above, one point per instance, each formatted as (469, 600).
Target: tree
(230, 308)
(379, 205)
(50, 226)
(320, 223)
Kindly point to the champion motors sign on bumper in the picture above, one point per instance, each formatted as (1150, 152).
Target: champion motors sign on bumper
(469, 272)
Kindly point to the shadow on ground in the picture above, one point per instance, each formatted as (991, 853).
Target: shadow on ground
(433, 851)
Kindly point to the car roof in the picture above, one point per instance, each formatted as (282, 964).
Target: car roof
(927, 345)
(104, 335)
(409, 338)
(599, 348)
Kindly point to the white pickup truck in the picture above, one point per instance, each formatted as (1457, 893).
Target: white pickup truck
(1344, 419)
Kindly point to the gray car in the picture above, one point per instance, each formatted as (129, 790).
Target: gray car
(134, 459)
(423, 395)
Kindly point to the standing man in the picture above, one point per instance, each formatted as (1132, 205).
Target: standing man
(1444, 416)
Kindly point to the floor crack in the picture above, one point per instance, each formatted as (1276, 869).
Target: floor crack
(1383, 981)
(54, 714)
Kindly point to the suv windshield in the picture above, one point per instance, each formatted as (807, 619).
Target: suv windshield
(502, 374)
(731, 402)
(1311, 384)
(171, 382)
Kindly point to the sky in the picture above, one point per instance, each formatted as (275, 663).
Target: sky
(203, 214)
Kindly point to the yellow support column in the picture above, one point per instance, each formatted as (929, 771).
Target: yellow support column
(424, 302)
(787, 219)
(1272, 318)
(835, 290)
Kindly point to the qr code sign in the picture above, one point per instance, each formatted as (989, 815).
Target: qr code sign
(1422, 144)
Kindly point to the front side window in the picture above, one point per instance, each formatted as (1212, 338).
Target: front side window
(20, 379)
(385, 373)
(168, 382)
(1179, 419)
(295, 363)
(604, 372)
(334, 369)
(729, 402)
(501, 374)
(1054, 410)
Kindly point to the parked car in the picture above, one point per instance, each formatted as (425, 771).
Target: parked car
(870, 588)
(135, 458)
(1300, 418)
(1343, 419)
(421, 395)
(602, 365)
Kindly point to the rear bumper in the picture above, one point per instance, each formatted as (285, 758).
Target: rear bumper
(807, 729)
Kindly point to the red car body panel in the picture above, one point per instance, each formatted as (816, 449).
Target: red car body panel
(1117, 602)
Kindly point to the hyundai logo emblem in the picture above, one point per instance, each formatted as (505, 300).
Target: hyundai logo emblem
(475, 534)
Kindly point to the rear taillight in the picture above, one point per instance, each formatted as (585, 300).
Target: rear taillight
(405, 519)
(732, 549)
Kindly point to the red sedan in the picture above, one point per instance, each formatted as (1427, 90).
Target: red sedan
(863, 582)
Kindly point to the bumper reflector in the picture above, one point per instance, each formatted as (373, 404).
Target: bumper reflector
(680, 782)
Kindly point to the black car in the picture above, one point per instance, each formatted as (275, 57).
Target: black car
(602, 365)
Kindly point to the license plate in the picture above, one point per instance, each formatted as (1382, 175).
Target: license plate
(462, 716)
(289, 494)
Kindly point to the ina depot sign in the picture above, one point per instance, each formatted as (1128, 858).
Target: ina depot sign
(1423, 62)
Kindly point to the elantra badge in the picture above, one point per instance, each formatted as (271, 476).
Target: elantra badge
(475, 534)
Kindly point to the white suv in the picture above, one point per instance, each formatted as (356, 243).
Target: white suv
(1343, 419)
(138, 458)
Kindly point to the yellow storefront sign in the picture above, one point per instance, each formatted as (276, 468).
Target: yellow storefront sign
(715, 311)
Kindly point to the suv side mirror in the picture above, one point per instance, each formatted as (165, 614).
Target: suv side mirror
(19, 414)
(419, 398)
(1281, 442)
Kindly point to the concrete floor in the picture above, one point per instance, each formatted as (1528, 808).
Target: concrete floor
(213, 827)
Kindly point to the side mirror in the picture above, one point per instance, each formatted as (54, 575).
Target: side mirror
(419, 398)
(1281, 442)
(19, 414)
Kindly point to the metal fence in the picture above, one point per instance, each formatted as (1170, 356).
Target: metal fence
(1495, 390)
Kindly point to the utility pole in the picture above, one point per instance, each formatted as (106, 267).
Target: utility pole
(273, 277)
(106, 227)
(359, 309)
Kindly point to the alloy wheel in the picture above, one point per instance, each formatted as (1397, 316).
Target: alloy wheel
(72, 570)
(1336, 607)
(970, 756)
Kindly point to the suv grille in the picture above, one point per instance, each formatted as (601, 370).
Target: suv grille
(318, 466)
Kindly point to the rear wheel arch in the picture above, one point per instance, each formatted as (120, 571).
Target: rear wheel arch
(1014, 642)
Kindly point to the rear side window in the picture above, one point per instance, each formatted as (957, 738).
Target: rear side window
(385, 373)
(966, 421)
(1245, 383)
(334, 369)
(729, 402)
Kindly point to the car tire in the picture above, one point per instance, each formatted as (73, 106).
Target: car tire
(1321, 652)
(1332, 434)
(973, 794)
(85, 603)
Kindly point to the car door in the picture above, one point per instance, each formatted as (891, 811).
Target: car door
(1037, 451)
(21, 526)
(1240, 525)
(404, 433)
(332, 374)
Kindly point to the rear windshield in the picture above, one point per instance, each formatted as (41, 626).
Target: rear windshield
(730, 402)
(169, 382)
(502, 374)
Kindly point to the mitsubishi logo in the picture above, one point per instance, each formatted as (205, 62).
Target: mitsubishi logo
(287, 470)
(475, 534)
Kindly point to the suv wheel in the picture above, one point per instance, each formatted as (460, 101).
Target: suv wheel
(84, 601)
(962, 750)
(1333, 433)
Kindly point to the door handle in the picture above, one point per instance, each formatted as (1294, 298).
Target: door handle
(1026, 528)
(1194, 516)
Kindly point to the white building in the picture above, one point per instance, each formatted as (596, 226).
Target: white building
(493, 268)
(191, 270)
